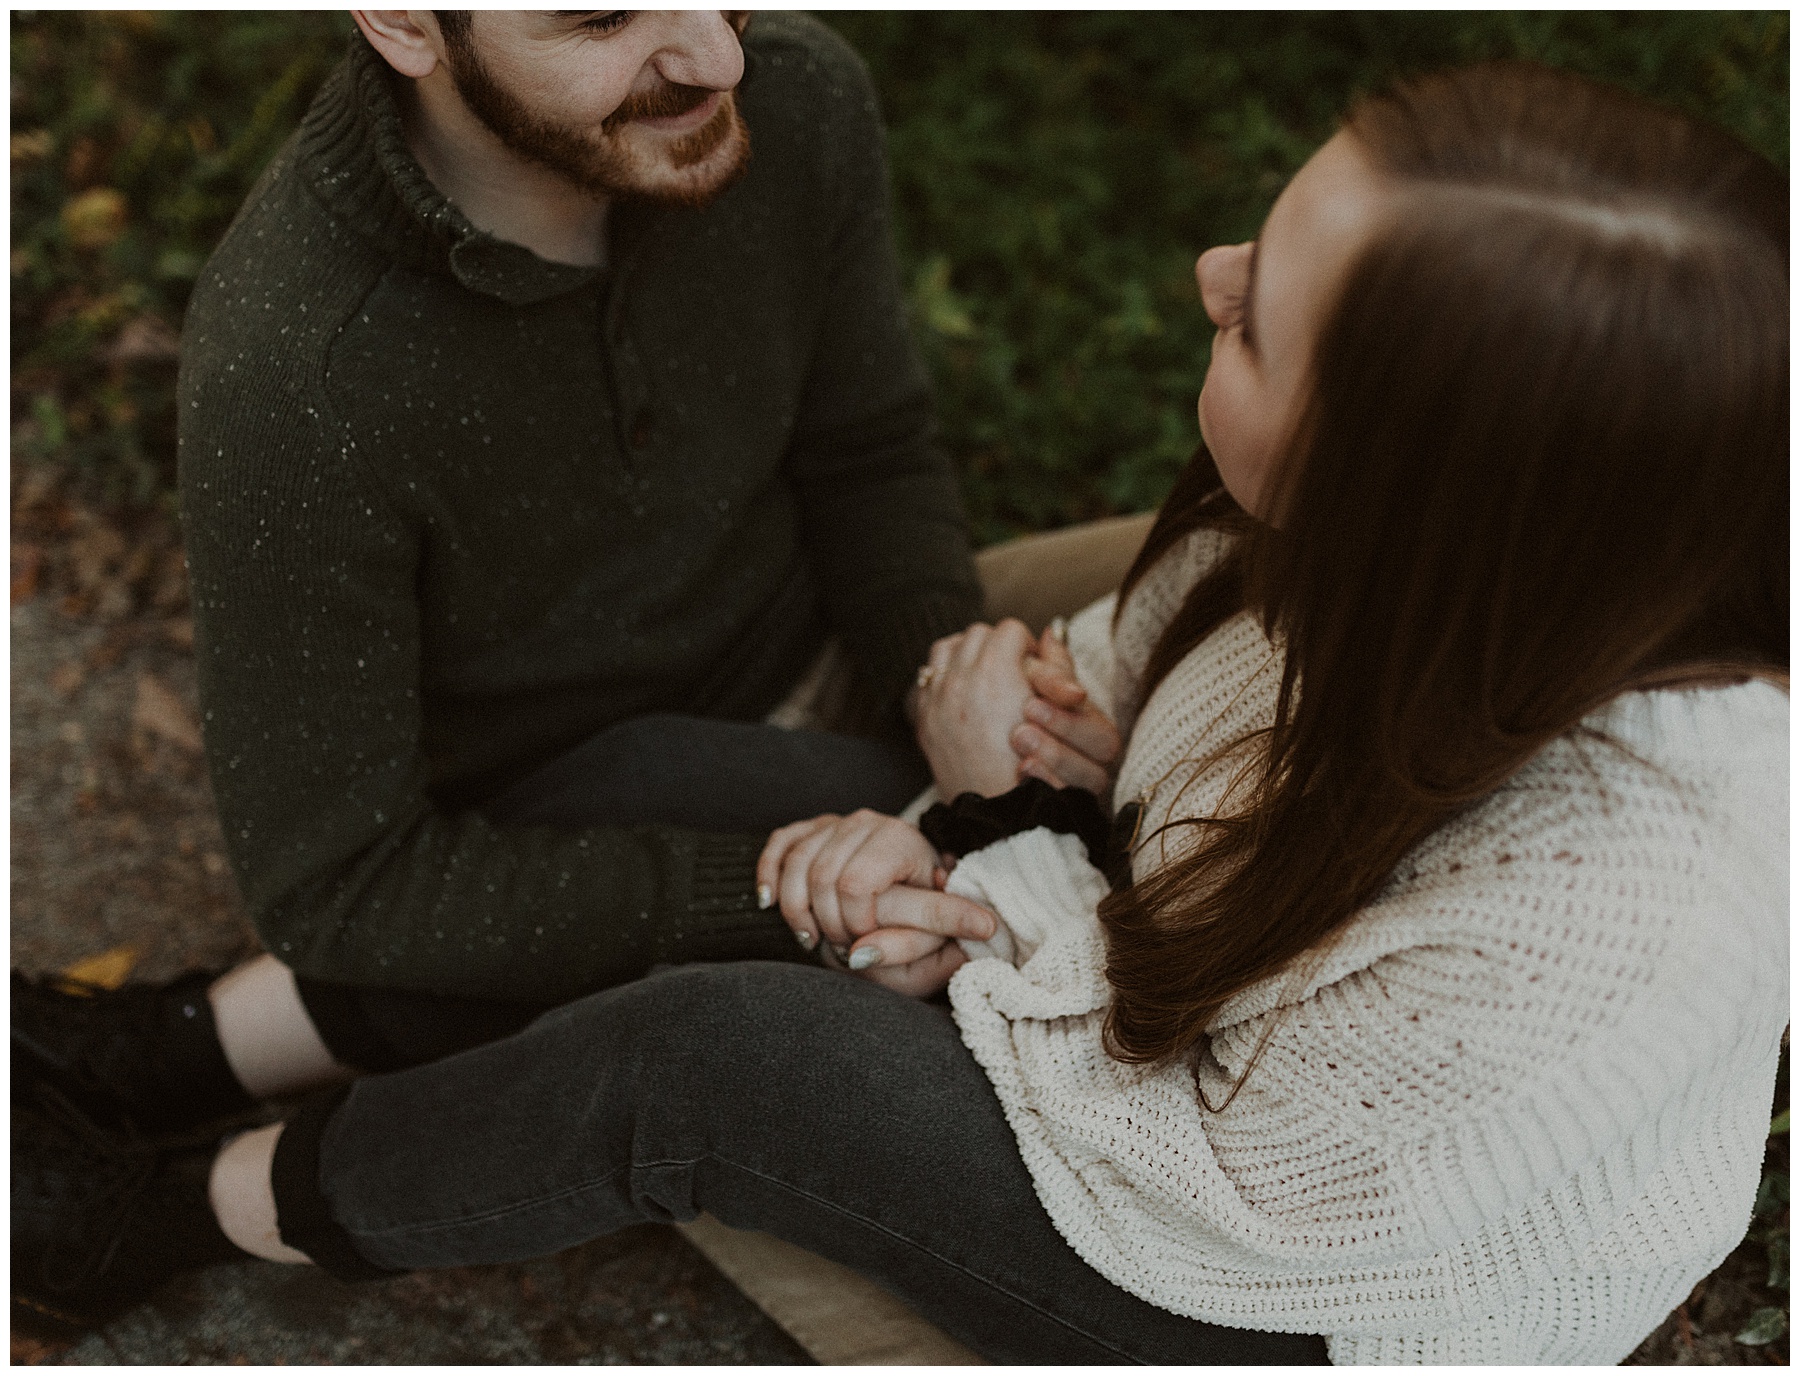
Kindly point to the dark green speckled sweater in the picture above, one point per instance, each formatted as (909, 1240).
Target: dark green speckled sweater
(451, 509)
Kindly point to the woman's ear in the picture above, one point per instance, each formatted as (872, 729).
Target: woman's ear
(408, 39)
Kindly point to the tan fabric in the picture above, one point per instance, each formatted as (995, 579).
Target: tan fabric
(837, 1316)
(1035, 578)
(1040, 577)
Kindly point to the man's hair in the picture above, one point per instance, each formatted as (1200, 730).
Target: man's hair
(455, 25)
(1543, 461)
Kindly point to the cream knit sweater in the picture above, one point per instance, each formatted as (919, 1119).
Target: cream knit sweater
(1520, 1109)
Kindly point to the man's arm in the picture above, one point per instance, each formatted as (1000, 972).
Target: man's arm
(884, 522)
(309, 655)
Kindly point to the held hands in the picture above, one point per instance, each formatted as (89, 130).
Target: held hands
(994, 705)
(1064, 740)
(869, 886)
(972, 691)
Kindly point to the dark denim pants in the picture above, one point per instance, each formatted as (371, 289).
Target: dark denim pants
(785, 1098)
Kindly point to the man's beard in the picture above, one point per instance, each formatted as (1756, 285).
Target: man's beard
(689, 171)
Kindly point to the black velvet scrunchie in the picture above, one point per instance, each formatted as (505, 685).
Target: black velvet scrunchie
(973, 821)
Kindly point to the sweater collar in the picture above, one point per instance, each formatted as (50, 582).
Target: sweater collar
(354, 153)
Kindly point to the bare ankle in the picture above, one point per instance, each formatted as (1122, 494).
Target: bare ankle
(243, 1196)
(267, 1035)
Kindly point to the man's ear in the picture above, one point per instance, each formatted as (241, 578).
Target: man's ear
(408, 39)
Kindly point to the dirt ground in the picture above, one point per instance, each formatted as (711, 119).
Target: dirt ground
(115, 844)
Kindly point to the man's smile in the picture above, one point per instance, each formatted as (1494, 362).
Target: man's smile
(688, 120)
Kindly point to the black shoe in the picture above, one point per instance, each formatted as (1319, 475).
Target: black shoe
(144, 1057)
(100, 1220)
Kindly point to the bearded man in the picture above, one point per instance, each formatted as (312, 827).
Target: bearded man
(548, 423)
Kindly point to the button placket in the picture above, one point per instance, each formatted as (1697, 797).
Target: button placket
(633, 417)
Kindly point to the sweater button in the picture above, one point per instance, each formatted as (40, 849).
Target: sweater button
(641, 429)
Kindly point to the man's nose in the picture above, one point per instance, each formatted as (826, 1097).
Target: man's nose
(702, 49)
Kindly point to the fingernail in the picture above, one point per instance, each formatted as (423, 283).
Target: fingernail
(865, 957)
(1060, 629)
(806, 940)
(765, 896)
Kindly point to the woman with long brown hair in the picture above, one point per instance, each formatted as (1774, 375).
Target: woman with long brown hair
(1422, 990)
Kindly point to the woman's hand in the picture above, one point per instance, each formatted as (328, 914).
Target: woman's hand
(869, 887)
(1064, 739)
(973, 694)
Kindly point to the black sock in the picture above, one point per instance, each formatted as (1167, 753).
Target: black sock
(193, 1063)
(191, 1236)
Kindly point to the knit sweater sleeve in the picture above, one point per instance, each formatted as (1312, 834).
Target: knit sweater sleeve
(1534, 1072)
(307, 628)
(882, 514)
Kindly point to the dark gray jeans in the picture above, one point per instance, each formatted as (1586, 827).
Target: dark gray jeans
(785, 1098)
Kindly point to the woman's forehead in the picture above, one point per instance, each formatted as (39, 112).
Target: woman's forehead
(1318, 225)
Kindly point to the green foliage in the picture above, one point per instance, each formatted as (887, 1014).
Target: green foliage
(1056, 175)
(135, 138)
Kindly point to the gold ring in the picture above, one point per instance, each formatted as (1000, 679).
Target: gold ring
(926, 675)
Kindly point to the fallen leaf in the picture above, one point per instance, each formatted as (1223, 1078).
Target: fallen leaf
(66, 679)
(111, 647)
(161, 712)
(94, 553)
(83, 165)
(171, 592)
(32, 145)
(147, 339)
(180, 631)
(109, 969)
(115, 602)
(1765, 1326)
(27, 566)
(95, 218)
(31, 1352)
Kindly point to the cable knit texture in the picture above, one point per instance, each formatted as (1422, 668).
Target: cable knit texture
(1517, 1109)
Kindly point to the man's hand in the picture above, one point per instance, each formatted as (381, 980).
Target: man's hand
(1064, 739)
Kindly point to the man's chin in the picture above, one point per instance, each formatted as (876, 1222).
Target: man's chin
(665, 176)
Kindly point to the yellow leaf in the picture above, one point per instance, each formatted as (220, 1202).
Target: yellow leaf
(95, 218)
(161, 711)
(109, 969)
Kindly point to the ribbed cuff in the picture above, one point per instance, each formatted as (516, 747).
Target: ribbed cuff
(302, 1215)
(720, 920)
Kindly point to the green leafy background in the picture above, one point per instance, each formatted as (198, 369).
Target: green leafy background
(1056, 175)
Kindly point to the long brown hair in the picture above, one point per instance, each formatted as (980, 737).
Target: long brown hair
(1543, 461)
